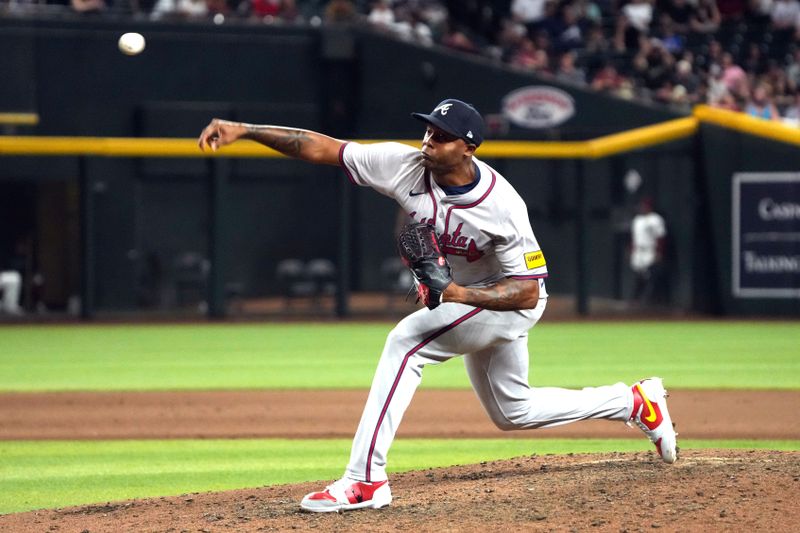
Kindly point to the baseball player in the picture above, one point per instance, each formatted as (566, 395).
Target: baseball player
(648, 240)
(484, 311)
(10, 289)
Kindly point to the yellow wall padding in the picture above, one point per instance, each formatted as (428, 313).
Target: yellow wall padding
(747, 124)
(627, 141)
(166, 147)
(19, 119)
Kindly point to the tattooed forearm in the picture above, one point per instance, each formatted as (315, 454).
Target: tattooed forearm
(293, 142)
(506, 295)
(287, 141)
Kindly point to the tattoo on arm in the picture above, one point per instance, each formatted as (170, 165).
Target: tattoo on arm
(287, 141)
(506, 295)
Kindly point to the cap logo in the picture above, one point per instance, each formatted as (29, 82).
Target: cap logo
(443, 109)
(469, 134)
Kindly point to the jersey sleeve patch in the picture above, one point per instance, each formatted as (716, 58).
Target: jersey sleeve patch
(534, 260)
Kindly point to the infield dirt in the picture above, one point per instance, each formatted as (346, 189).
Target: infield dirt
(709, 490)
(704, 491)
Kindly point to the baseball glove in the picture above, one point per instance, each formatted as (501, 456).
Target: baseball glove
(420, 250)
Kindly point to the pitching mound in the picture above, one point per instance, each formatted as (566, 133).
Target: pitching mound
(706, 490)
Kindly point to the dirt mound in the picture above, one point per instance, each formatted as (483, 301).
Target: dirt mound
(704, 490)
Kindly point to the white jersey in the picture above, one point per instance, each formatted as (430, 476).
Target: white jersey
(646, 230)
(485, 231)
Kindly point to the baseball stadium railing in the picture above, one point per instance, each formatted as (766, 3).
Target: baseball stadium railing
(601, 147)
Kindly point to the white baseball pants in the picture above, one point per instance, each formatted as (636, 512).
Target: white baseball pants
(495, 348)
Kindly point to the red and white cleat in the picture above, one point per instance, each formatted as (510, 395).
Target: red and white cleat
(346, 494)
(651, 415)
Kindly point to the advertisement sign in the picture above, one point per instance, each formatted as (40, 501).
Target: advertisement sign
(766, 235)
(537, 107)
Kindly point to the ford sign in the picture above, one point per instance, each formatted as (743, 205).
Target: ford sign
(538, 107)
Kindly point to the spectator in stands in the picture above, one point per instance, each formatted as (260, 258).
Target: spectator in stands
(633, 25)
(217, 7)
(792, 113)
(758, 12)
(700, 96)
(179, 9)
(528, 12)
(290, 12)
(796, 35)
(671, 94)
(381, 15)
(457, 39)
(534, 32)
(705, 17)
(777, 78)
(684, 77)
(570, 33)
(433, 13)
(717, 89)
(680, 13)
(729, 102)
(732, 10)
(88, 6)
(733, 76)
(714, 54)
(340, 11)
(654, 65)
(754, 61)
(529, 57)
(568, 72)
(542, 41)
(588, 12)
(793, 71)
(783, 14)
(510, 37)
(669, 38)
(760, 104)
(410, 26)
(596, 42)
(265, 8)
(607, 79)
(270, 11)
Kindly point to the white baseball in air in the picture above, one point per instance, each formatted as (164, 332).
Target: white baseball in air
(131, 43)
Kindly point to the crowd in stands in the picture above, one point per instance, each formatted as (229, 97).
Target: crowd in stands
(741, 55)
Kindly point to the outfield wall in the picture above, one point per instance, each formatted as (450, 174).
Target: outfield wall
(142, 217)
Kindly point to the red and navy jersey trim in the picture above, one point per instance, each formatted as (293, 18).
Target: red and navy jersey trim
(530, 276)
(482, 198)
(468, 206)
(344, 166)
(415, 349)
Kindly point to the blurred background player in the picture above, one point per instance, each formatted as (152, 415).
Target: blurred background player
(648, 244)
(10, 291)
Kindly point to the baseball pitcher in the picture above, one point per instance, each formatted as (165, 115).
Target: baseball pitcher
(480, 273)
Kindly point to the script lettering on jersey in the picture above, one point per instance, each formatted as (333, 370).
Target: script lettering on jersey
(458, 244)
(423, 220)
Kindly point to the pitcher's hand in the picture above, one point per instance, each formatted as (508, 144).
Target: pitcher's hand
(220, 133)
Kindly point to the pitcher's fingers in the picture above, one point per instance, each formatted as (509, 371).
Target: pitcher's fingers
(202, 141)
(208, 136)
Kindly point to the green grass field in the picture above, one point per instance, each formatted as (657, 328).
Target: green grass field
(269, 356)
(733, 355)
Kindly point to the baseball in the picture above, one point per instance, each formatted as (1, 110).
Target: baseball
(131, 44)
